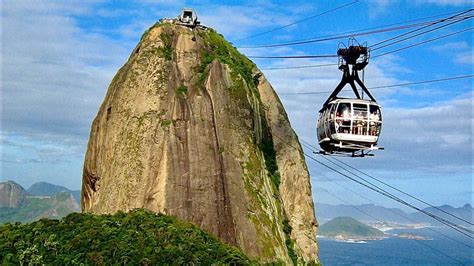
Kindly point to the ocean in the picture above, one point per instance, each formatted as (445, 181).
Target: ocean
(399, 251)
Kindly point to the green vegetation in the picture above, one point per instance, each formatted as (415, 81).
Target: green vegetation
(157, 24)
(165, 123)
(182, 92)
(182, 89)
(289, 242)
(266, 146)
(139, 237)
(348, 227)
(167, 49)
(219, 48)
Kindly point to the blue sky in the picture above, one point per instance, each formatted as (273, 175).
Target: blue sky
(58, 58)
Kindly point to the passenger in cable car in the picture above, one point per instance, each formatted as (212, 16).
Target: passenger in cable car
(374, 120)
(373, 129)
(357, 128)
(374, 116)
(346, 113)
(345, 110)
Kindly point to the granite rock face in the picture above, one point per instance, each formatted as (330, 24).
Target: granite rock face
(11, 194)
(191, 128)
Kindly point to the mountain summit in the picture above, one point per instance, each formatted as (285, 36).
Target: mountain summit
(191, 128)
(11, 194)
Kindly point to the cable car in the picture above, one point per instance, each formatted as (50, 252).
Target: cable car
(350, 126)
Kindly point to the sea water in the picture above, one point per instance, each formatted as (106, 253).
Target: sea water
(399, 251)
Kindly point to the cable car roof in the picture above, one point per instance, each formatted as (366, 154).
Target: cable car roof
(352, 100)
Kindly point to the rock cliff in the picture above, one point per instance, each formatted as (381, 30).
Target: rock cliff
(11, 194)
(191, 128)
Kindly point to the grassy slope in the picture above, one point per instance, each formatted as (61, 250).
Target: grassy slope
(137, 237)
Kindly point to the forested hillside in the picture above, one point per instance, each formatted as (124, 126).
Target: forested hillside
(137, 237)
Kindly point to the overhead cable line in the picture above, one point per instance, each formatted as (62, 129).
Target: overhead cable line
(362, 32)
(297, 22)
(375, 56)
(386, 86)
(331, 37)
(297, 67)
(394, 212)
(292, 56)
(373, 186)
(418, 241)
(460, 229)
(403, 192)
(392, 187)
(464, 231)
(423, 82)
(423, 42)
(416, 35)
(421, 28)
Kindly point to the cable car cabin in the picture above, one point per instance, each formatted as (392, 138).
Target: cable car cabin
(349, 125)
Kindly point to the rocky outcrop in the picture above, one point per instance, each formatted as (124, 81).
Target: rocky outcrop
(11, 194)
(191, 128)
(295, 187)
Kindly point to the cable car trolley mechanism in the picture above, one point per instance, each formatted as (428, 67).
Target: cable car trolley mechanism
(350, 126)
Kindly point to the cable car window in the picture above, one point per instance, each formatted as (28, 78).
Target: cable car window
(360, 123)
(321, 130)
(343, 118)
(344, 110)
(360, 111)
(375, 120)
(375, 113)
(332, 127)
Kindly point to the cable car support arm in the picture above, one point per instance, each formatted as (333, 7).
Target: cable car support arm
(350, 67)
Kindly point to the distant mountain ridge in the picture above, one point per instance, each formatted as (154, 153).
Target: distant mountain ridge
(42, 200)
(368, 213)
(363, 212)
(465, 212)
(48, 189)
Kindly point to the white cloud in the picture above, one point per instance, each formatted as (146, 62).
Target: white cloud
(238, 21)
(437, 138)
(462, 45)
(377, 8)
(465, 58)
(53, 77)
(460, 52)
